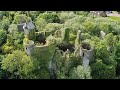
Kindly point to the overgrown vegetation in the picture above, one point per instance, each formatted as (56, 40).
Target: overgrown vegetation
(55, 45)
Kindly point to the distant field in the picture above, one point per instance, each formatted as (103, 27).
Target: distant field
(114, 11)
(114, 18)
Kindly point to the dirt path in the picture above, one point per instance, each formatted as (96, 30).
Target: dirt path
(114, 14)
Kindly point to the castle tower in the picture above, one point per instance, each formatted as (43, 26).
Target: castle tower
(29, 46)
(52, 66)
(28, 26)
(86, 52)
(77, 43)
(20, 27)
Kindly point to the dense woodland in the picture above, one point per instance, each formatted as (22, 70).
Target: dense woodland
(59, 39)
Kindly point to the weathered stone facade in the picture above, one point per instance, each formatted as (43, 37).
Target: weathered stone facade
(29, 44)
(102, 34)
(20, 27)
(52, 66)
(99, 13)
(27, 27)
(28, 47)
(86, 55)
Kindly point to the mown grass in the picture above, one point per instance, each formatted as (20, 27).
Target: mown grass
(114, 18)
(114, 11)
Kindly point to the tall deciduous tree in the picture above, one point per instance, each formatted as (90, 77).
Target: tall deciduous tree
(18, 64)
(81, 73)
(3, 36)
(102, 71)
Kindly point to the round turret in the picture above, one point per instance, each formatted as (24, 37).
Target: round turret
(29, 46)
(28, 26)
(86, 52)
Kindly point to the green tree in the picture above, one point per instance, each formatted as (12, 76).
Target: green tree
(4, 24)
(117, 58)
(66, 35)
(3, 13)
(3, 37)
(75, 24)
(32, 35)
(104, 26)
(18, 64)
(12, 29)
(85, 36)
(52, 27)
(84, 13)
(20, 18)
(51, 40)
(101, 50)
(64, 16)
(65, 64)
(50, 17)
(90, 27)
(33, 14)
(40, 24)
(78, 39)
(80, 73)
(14, 42)
(7, 48)
(102, 71)
(110, 39)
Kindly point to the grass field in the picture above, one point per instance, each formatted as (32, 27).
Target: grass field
(114, 18)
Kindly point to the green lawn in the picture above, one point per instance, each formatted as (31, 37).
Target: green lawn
(114, 11)
(114, 18)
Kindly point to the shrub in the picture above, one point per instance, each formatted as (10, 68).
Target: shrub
(117, 58)
(101, 71)
(20, 18)
(50, 17)
(64, 16)
(4, 24)
(3, 37)
(52, 27)
(85, 36)
(41, 38)
(31, 35)
(12, 29)
(64, 46)
(40, 24)
(80, 73)
(18, 64)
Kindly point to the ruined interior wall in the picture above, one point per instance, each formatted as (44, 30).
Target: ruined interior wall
(86, 55)
(26, 31)
(43, 53)
(28, 45)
